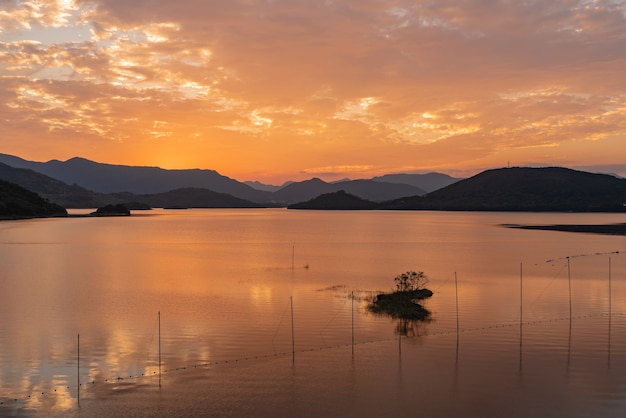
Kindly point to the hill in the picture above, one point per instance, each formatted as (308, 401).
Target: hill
(195, 198)
(364, 189)
(63, 194)
(427, 182)
(339, 200)
(78, 197)
(507, 189)
(550, 189)
(108, 178)
(264, 187)
(17, 202)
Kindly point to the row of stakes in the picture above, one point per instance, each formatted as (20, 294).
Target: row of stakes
(457, 331)
(215, 363)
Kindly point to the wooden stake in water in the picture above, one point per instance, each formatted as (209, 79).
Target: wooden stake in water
(569, 340)
(78, 370)
(609, 287)
(521, 312)
(610, 313)
(352, 310)
(293, 340)
(456, 288)
(159, 317)
(521, 293)
(569, 281)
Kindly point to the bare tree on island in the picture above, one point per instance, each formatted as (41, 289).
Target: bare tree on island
(410, 281)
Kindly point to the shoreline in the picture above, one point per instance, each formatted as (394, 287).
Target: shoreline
(606, 229)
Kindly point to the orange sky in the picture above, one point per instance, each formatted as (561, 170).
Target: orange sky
(276, 90)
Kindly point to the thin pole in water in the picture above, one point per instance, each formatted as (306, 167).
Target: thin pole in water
(521, 294)
(159, 317)
(610, 313)
(521, 312)
(293, 341)
(569, 340)
(78, 369)
(352, 310)
(609, 287)
(456, 288)
(569, 282)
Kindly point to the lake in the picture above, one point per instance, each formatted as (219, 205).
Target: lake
(263, 312)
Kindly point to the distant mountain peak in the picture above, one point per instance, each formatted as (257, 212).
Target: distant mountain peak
(112, 178)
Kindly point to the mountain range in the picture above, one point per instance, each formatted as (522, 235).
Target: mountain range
(506, 189)
(75, 196)
(105, 180)
(551, 189)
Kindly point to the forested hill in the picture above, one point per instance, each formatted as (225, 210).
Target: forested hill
(525, 189)
(339, 200)
(17, 202)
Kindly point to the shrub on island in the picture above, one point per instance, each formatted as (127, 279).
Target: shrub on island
(403, 302)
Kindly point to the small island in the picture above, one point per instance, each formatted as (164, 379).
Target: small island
(402, 304)
(112, 210)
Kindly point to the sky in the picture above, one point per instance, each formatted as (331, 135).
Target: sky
(277, 90)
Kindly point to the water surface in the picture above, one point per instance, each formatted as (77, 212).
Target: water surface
(538, 330)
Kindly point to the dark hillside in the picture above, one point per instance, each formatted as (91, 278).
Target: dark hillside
(17, 202)
(195, 198)
(110, 178)
(526, 189)
(56, 191)
(336, 201)
(364, 189)
(426, 182)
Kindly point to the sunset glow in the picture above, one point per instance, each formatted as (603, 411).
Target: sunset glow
(277, 90)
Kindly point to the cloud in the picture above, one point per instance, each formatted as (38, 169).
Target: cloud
(466, 81)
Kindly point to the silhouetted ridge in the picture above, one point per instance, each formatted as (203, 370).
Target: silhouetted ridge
(195, 198)
(426, 182)
(17, 202)
(77, 197)
(364, 189)
(108, 178)
(526, 189)
(335, 201)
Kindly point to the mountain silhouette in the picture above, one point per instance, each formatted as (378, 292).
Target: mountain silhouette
(525, 189)
(109, 178)
(339, 200)
(364, 189)
(506, 189)
(195, 198)
(428, 182)
(78, 197)
(17, 202)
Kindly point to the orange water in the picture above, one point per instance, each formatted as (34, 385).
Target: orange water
(226, 281)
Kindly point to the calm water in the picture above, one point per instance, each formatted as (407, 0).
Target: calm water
(227, 281)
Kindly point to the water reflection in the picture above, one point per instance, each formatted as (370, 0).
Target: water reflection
(412, 327)
(223, 280)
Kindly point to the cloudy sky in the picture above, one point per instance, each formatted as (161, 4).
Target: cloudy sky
(277, 90)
